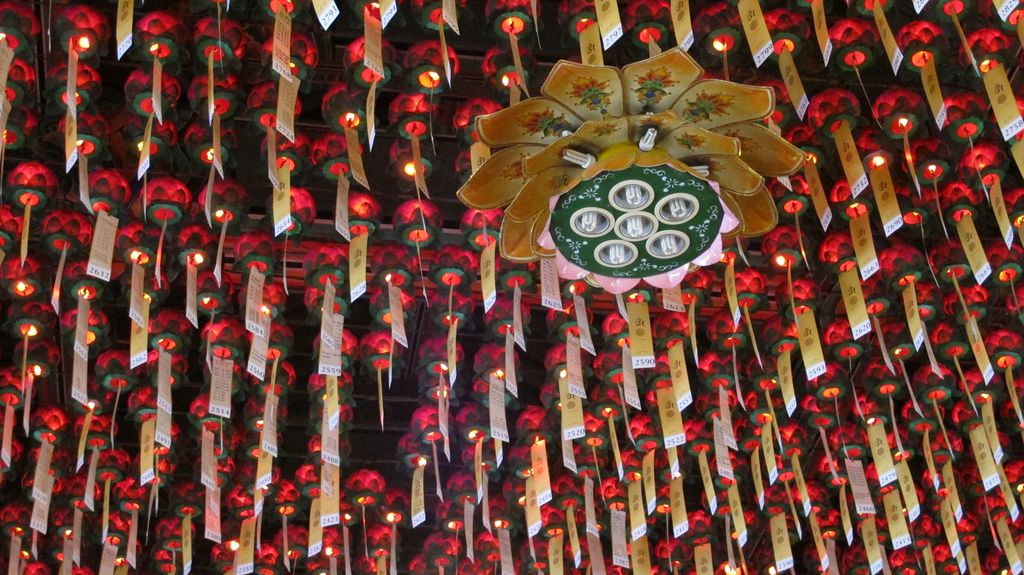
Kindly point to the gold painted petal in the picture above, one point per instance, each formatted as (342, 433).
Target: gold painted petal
(551, 156)
(539, 226)
(621, 159)
(517, 243)
(653, 85)
(694, 142)
(756, 211)
(532, 121)
(606, 133)
(730, 172)
(537, 192)
(664, 122)
(591, 92)
(498, 180)
(766, 153)
(713, 103)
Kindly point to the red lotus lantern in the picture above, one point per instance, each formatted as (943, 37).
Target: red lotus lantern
(303, 56)
(83, 28)
(221, 39)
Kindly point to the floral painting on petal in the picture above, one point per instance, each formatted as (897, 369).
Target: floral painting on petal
(591, 93)
(706, 106)
(544, 122)
(651, 85)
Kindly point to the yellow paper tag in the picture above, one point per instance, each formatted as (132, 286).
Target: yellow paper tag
(703, 560)
(981, 357)
(419, 513)
(572, 412)
(929, 560)
(784, 366)
(983, 457)
(282, 46)
(1004, 104)
(357, 267)
(810, 344)
(730, 291)
(640, 556)
(373, 54)
(123, 30)
(933, 91)
(355, 156)
(781, 547)
(326, 12)
(821, 30)
(899, 533)
(844, 512)
(756, 30)
(819, 543)
(487, 276)
(913, 313)
(952, 492)
(908, 489)
(881, 453)
(973, 560)
(186, 543)
(641, 344)
(479, 153)
(637, 516)
(739, 522)
(147, 437)
(885, 198)
(138, 343)
(1009, 546)
(287, 92)
(608, 20)
(246, 545)
(671, 422)
(995, 196)
(869, 535)
(821, 206)
(892, 49)
(677, 501)
(533, 520)
(682, 25)
(768, 450)
(145, 154)
(794, 85)
(973, 248)
(798, 475)
(282, 208)
(853, 168)
(650, 486)
(680, 377)
(864, 246)
(70, 140)
(709, 487)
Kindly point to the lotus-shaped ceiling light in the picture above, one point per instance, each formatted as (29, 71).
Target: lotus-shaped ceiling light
(631, 174)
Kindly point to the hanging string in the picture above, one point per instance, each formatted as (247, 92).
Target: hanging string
(856, 70)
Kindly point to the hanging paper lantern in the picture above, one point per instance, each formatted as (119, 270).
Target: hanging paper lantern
(330, 153)
(357, 71)
(921, 41)
(499, 68)
(221, 39)
(996, 47)
(511, 17)
(88, 86)
(226, 94)
(466, 112)
(84, 28)
(343, 106)
(830, 107)
(719, 25)
(139, 95)
(985, 161)
(647, 21)
(160, 35)
(452, 268)
(19, 27)
(966, 113)
(109, 191)
(262, 104)
(900, 111)
(417, 222)
(852, 40)
(303, 56)
(364, 213)
(424, 65)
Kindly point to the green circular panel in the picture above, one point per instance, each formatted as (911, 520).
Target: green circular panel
(637, 222)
